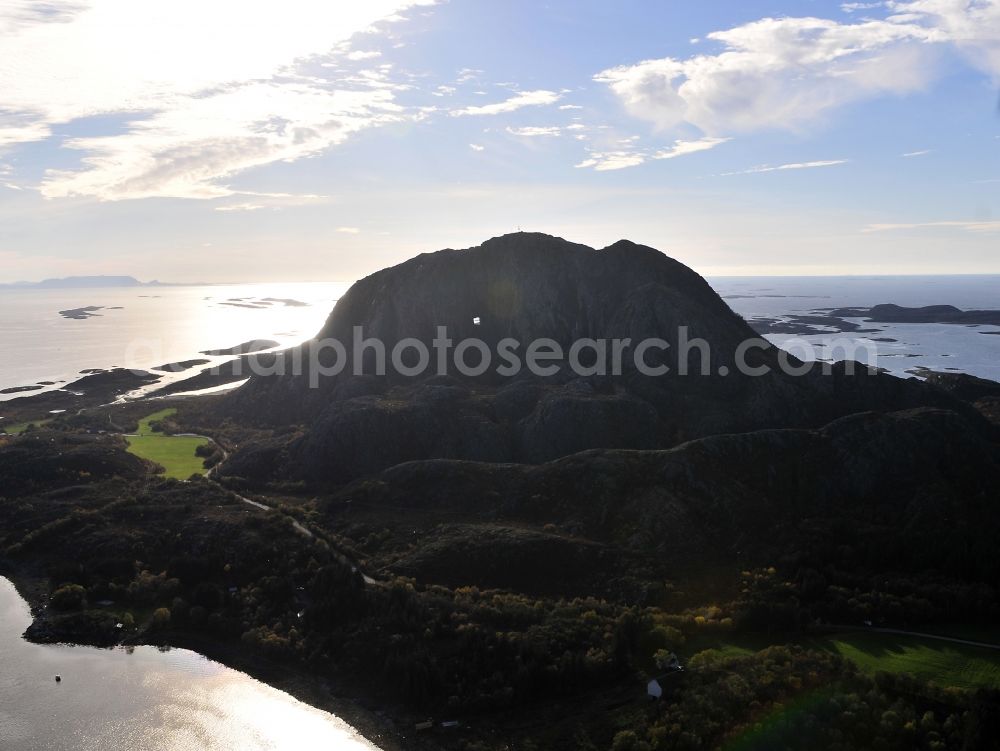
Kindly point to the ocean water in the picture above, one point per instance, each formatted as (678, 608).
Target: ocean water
(143, 327)
(148, 326)
(144, 699)
(942, 347)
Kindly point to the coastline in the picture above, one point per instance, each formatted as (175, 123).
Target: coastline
(297, 681)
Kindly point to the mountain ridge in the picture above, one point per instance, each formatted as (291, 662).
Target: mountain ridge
(531, 286)
(82, 282)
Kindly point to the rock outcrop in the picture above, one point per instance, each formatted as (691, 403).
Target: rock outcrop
(529, 287)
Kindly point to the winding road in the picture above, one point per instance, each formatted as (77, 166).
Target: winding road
(296, 525)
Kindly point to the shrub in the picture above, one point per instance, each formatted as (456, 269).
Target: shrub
(161, 617)
(69, 597)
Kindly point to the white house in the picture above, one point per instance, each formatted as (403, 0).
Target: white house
(653, 689)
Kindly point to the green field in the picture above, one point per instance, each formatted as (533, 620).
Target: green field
(176, 454)
(943, 663)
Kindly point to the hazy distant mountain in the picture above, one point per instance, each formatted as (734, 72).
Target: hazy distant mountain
(76, 282)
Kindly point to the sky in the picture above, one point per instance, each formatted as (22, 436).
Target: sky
(312, 140)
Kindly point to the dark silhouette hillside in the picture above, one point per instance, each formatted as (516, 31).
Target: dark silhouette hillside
(528, 287)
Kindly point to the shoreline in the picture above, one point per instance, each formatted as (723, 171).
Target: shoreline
(320, 692)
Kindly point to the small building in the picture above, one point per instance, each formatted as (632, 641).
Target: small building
(673, 667)
(653, 689)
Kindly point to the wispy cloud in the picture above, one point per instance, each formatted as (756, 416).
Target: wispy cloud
(792, 166)
(468, 74)
(615, 159)
(6, 172)
(523, 99)
(349, 230)
(987, 226)
(477, 147)
(202, 102)
(910, 154)
(263, 200)
(682, 148)
(853, 7)
(534, 131)
(240, 207)
(604, 161)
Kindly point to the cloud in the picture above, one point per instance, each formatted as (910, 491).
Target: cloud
(186, 152)
(976, 227)
(532, 131)
(208, 90)
(349, 230)
(682, 148)
(852, 7)
(570, 107)
(972, 26)
(789, 72)
(910, 154)
(792, 166)
(476, 147)
(13, 132)
(240, 207)
(603, 161)
(468, 74)
(516, 102)
(363, 55)
(271, 201)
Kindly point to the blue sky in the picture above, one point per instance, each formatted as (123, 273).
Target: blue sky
(234, 141)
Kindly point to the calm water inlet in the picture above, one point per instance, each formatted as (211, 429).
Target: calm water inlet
(144, 699)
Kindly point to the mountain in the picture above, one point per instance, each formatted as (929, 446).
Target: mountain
(82, 282)
(530, 287)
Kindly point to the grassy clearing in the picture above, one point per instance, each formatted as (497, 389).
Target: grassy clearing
(176, 454)
(145, 424)
(943, 663)
(20, 427)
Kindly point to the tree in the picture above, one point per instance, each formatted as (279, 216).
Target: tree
(69, 597)
(161, 617)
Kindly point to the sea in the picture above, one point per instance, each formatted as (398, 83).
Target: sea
(144, 327)
(916, 346)
(144, 698)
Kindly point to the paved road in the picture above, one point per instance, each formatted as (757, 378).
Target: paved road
(298, 526)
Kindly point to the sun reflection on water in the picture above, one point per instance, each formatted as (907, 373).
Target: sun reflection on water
(145, 700)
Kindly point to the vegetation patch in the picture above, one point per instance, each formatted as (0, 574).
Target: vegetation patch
(946, 664)
(176, 454)
(20, 427)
